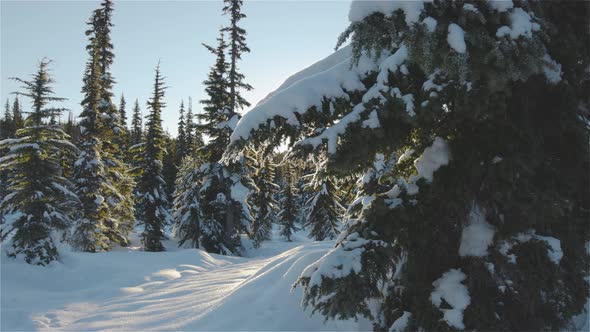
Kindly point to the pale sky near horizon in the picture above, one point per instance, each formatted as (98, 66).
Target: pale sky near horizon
(285, 36)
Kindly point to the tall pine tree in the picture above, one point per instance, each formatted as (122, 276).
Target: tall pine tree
(194, 139)
(101, 180)
(123, 112)
(181, 139)
(263, 205)
(123, 134)
(237, 47)
(224, 188)
(8, 125)
(152, 206)
(323, 209)
(37, 187)
(121, 202)
(136, 125)
(288, 213)
(187, 226)
(17, 115)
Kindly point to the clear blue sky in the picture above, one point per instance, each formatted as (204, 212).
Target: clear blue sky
(284, 36)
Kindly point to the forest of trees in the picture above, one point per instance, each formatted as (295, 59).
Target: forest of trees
(453, 120)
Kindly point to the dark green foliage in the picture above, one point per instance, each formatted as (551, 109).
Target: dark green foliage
(510, 112)
(225, 213)
(263, 205)
(12, 119)
(289, 209)
(101, 180)
(194, 139)
(323, 210)
(237, 47)
(217, 116)
(181, 138)
(122, 133)
(38, 190)
(123, 112)
(170, 165)
(186, 215)
(6, 123)
(225, 188)
(136, 133)
(152, 204)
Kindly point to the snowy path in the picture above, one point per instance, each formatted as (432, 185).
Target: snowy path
(185, 289)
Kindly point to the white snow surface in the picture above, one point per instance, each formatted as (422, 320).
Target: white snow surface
(456, 38)
(401, 323)
(520, 25)
(501, 5)
(180, 289)
(360, 9)
(323, 79)
(433, 157)
(449, 288)
(477, 236)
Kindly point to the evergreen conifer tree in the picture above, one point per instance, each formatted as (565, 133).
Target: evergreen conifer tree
(237, 47)
(288, 213)
(181, 139)
(37, 187)
(481, 105)
(136, 125)
(101, 181)
(8, 125)
(170, 165)
(187, 228)
(123, 112)
(263, 205)
(224, 187)
(123, 134)
(194, 139)
(17, 115)
(323, 209)
(121, 202)
(72, 129)
(152, 205)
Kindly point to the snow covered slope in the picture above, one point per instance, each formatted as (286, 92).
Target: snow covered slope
(184, 289)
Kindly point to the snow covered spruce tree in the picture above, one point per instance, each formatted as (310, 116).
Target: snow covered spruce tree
(181, 144)
(481, 223)
(123, 135)
(136, 133)
(194, 139)
(152, 205)
(121, 204)
(7, 123)
(37, 188)
(288, 213)
(100, 179)
(323, 211)
(224, 188)
(186, 215)
(263, 205)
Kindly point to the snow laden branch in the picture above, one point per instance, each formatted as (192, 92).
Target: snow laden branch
(357, 85)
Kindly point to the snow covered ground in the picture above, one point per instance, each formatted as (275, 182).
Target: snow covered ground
(180, 289)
